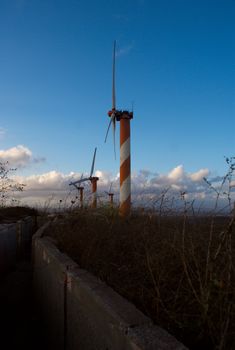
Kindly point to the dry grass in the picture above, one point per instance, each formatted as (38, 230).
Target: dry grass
(178, 270)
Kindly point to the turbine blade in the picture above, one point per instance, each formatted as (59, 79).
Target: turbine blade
(93, 163)
(113, 122)
(79, 181)
(110, 187)
(113, 87)
(85, 179)
(73, 184)
(108, 130)
(114, 140)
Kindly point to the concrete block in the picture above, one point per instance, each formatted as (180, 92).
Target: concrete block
(98, 317)
(49, 276)
(152, 338)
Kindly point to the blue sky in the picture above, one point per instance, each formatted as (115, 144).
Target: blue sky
(175, 62)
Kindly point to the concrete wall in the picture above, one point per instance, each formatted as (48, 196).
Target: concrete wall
(15, 241)
(82, 312)
(49, 286)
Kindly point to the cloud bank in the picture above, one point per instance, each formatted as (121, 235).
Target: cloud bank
(147, 187)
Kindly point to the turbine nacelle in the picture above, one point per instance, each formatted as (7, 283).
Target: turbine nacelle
(118, 115)
(110, 113)
(75, 185)
(94, 178)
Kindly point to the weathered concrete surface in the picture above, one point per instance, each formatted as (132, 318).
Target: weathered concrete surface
(84, 313)
(98, 318)
(153, 338)
(49, 285)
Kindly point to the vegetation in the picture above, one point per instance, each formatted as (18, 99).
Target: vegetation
(179, 270)
(9, 208)
(8, 186)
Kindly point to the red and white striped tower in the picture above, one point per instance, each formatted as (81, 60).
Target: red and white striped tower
(94, 180)
(80, 189)
(111, 199)
(125, 164)
(125, 158)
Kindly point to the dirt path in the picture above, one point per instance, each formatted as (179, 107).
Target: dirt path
(20, 325)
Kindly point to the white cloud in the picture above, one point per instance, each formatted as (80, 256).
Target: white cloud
(19, 156)
(199, 175)
(176, 174)
(50, 181)
(16, 156)
(232, 185)
(105, 177)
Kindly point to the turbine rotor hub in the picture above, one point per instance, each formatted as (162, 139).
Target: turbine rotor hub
(94, 178)
(120, 114)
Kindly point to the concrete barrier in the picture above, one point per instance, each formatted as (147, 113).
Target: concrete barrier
(82, 312)
(50, 269)
(15, 242)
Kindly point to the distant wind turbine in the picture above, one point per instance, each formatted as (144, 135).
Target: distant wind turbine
(110, 194)
(93, 180)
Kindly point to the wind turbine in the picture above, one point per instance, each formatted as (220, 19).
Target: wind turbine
(110, 194)
(80, 189)
(93, 180)
(125, 157)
